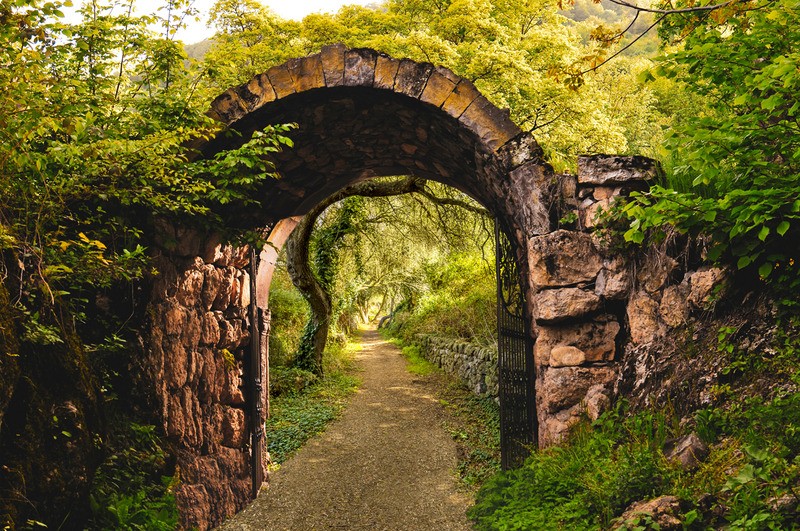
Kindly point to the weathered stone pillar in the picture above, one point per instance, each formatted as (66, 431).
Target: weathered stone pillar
(193, 368)
(578, 291)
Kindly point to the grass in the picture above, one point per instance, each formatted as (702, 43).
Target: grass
(417, 364)
(297, 416)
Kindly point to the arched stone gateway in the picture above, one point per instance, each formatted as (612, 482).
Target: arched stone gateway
(362, 114)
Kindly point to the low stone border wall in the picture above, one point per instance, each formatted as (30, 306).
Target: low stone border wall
(475, 365)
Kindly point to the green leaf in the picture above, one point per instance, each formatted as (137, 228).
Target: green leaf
(743, 262)
(763, 233)
(764, 270)
(783, 226)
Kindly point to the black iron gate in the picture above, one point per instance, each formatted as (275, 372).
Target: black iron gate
(514, 358)
(259, 333)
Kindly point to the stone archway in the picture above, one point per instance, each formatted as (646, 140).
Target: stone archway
(362, 114)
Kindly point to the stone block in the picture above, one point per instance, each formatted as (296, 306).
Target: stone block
(174, 320)
(664, 511)
(306, 72)
(210, 334)
(596, 339)
(332, 57)
(566, 356)
(281, 81)
(563, 258)
(462, 96)
(614, 280)
(674, 306)
(234, 429)
(359, 67)
(643, 319)
(211, 285)
(656, 271)
(591, 212)
(597, 401)
(565, 387)
(608, 170)
(532, 192)
(195, 506)
(412, 77)
(190, 287)
(187, 242)
(228, 107)
(492, 125)
(687, 451)
(704, 284)
(566, 303)
(256, 92)
(385, 72)
(223, 299)
(190, 335)
(437, 89)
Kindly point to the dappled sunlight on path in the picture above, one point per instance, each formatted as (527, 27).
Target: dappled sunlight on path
(386, 464)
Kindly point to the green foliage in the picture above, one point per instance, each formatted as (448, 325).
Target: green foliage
(460, 303)
(521, 54)
(475, 426)
(586, 482)
(289, 314)
(128, 491)
(743, 156)
(306, 410)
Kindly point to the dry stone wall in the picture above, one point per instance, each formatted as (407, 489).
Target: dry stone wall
(474, 365)
(596, 308)
(193, 370)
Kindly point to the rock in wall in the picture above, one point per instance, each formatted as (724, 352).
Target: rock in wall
(193, 370)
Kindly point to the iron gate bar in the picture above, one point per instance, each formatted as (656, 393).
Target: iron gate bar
(255, 384)
(515, 364)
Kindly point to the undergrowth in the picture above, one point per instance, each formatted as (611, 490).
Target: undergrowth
(302, 411)
(749, 480)
(474, 423)
(129, 491)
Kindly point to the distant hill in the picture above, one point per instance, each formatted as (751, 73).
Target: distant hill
(198, 50)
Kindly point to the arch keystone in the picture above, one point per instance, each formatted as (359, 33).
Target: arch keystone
(333, 64)
(359, 67)
(306, 73)
(437, 89)
(462, 96)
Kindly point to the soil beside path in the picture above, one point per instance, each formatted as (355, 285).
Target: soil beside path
(386, 464)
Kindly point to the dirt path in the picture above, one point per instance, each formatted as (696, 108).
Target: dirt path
(386, 464)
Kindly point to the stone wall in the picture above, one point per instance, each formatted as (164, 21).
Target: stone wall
(474, 365)
(594, 304)
(193, 370)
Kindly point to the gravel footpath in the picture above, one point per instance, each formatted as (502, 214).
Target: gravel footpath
(386, 464)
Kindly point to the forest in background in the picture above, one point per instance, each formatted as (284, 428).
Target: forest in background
(95, 118)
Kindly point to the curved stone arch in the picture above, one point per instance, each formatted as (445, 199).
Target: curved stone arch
(337, 66)
(360, 114)
(364, 114)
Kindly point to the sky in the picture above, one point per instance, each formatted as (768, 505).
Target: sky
(196, 31)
